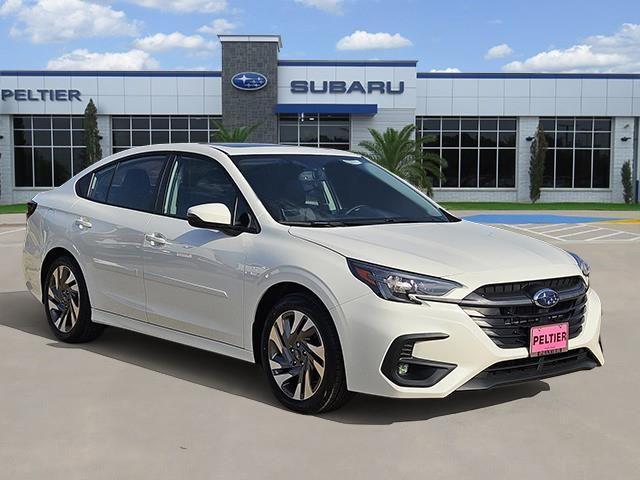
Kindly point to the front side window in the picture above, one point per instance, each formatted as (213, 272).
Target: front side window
(48, 149)
(196, 181)
(579, 152)
(135, 183)
(321, 190)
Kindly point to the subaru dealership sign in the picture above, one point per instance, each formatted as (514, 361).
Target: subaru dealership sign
(249, 81)
(40, 95)
(339, 86)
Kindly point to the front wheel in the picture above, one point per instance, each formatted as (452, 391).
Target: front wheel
(67, 303)
(302, 357)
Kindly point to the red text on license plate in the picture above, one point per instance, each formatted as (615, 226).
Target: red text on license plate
(549, 339)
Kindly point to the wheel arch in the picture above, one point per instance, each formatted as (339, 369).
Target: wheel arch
(268, 300)
(49, 258)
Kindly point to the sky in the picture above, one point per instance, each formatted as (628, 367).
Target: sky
(452, 35)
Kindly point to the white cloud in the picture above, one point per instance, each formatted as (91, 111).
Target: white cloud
(184, 6)
(499, 51)
(82, 59)
(10, 6)
(495, 21)
(161, 42)
(361, 40)
(619, 52)
(61, 20)
(445, 70)
(331, 6)
(220, 26)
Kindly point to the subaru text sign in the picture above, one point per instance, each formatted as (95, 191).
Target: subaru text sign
(249, 81)
(39, 95)
(338, 86)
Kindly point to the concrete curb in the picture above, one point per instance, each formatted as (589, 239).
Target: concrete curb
(12, 220)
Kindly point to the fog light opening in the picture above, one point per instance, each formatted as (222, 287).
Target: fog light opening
(403, 369)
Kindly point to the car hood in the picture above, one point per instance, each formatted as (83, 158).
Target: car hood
(464, 251)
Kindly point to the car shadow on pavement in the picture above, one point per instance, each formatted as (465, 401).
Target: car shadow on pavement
(240, 378)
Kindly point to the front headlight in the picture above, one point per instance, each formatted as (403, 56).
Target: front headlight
(584, 266)
(400, 286)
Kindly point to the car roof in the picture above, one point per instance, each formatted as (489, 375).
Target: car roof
(233, 149)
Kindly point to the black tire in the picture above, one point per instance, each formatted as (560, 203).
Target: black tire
(81, 328)
(331, 391)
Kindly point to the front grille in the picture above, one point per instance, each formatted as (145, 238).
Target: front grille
(525, 369)
(506, 312)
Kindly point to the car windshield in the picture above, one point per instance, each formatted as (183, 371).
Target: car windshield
(328, 191)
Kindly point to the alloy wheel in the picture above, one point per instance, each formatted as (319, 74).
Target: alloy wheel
(63, 298)
(296, 355)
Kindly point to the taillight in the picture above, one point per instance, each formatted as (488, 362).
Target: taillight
(31, 208)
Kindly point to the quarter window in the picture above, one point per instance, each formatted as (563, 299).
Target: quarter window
(315, 130)
(134, 131)
(579, 154)
(480, 151)
(48, 149)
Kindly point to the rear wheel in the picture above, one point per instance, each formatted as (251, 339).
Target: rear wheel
(67, 303)
(302, 357)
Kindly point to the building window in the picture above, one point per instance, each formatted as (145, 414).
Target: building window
(48, 149)
(480, 151)
(137, 130)
(579, 154)
(315, 130)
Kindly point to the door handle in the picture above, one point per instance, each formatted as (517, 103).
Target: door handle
(155, 239)
(83, 223)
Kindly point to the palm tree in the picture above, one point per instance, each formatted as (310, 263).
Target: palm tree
(233, 135)
(401, 154)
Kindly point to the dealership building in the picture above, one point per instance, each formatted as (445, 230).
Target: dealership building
(481, 123)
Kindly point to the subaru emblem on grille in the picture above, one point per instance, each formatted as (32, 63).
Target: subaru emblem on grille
(546, 298)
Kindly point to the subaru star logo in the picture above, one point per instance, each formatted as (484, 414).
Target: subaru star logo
(249, 81)
(546, 298)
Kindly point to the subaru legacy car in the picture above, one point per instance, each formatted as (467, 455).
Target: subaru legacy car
(330, 272)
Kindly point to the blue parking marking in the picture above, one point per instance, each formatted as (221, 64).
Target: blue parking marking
(522, 219)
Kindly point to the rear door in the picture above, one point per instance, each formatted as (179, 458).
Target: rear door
(108, 231)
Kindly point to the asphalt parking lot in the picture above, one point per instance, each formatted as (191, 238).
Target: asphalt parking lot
(129, 406)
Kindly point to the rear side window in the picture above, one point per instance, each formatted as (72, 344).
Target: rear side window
(135, 183)
(99, 184)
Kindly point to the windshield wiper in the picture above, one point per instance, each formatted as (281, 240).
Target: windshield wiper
(356, 222)
(315, 223)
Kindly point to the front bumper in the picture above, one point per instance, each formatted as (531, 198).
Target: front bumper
(445, 338)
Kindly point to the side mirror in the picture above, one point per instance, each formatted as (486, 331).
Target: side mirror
(210, 215)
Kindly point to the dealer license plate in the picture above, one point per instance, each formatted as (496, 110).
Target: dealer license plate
(549, 339)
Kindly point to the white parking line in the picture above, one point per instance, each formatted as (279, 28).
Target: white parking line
(587, 232)
(579, 225)
(534, 232)
(606, 236)
(12, 231)
(580, 233)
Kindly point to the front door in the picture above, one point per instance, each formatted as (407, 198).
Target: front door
(194, 278)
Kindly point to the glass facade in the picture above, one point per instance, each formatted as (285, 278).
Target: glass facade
(138, 130)
(480, 151)
(579, 154)
(315, 130)
(48, 149)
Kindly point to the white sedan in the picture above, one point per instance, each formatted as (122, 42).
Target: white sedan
(333, 274)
